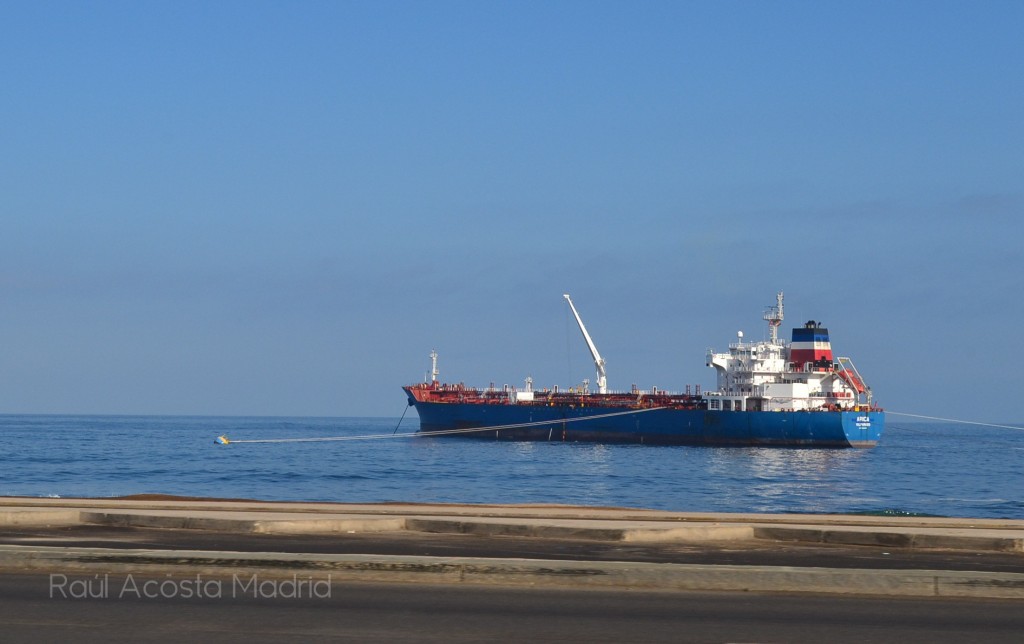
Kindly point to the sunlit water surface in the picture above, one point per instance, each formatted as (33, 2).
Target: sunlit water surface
(919, 468)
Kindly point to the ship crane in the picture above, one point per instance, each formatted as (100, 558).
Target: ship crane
(602, 380)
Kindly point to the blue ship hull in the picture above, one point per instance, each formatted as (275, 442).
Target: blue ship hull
(833, 429)
(770, 393)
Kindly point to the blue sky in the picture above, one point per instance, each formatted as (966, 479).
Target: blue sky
(280, 208)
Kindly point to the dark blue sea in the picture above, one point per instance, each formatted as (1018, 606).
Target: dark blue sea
(918, 469)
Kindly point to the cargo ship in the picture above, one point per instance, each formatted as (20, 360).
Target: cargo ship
(770, 393)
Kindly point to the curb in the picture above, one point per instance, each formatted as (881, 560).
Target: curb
(39, 517)
(922, 538)
(551, 529)
(259, 526)
(891, 539)
(495, 529)
(693, 534)
(517, 572)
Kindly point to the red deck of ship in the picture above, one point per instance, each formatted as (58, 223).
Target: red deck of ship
(461, 394)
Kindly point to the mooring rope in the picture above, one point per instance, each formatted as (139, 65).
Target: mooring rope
(953, 420)
(401, 419)
(224, 440)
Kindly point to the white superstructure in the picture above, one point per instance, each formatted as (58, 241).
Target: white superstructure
(772, 375)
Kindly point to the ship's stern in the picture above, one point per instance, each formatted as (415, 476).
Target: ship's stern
(863, 428)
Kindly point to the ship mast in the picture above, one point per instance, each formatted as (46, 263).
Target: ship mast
(433, 366)
(773, 317)
(602, 380)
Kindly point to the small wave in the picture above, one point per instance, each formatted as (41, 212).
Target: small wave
(891, 512)
(962, 500)
(350, 477)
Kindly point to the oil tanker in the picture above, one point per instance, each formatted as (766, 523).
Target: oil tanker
(770, 393)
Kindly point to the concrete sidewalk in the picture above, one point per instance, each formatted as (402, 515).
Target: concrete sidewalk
(523, 521)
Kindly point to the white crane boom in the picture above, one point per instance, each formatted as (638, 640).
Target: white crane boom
(602, 380)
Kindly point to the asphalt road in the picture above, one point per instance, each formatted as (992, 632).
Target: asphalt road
(453, 545)
(426, 613)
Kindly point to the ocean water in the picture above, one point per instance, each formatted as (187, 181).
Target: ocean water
(918, 469)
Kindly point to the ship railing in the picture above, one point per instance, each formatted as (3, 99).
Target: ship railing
(460, 389)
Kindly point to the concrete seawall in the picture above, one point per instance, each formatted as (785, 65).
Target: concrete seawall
(497, 525)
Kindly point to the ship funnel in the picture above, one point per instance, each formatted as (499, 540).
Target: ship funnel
(811, 349)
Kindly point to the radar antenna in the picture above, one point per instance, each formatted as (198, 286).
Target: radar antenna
(773, 316)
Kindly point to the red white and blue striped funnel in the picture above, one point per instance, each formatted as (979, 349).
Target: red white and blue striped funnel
(811, 345)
